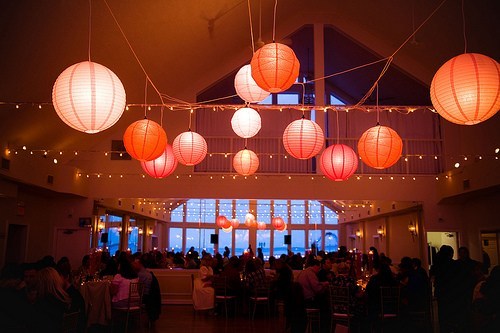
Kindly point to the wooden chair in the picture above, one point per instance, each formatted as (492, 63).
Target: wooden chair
(70, 322)
(313, 320)
(134, 302)
(340, 303)
(219, 284)
(389, 304)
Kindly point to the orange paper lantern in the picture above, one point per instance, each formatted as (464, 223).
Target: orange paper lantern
(88, 97)
(245, 162)
(247, 88)
(277, 222)
(189, 148)
(380, 147)
(145, 140)
(283, 228)
(275, 67)
(246, 122)
(235, 223)
(303, 139)
(466, 89)
(163, 166)
(222, 222)
(261, 226)
(338, 162)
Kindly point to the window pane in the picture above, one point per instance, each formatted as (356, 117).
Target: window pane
(114, 218)
(193, 211)
(298, 241)
(133, 239)
(264, 211)
(288, 99)
(176, 215)
(241, 241)
(267, 100)
(175, 239)
(335, 101)
(207, 210)
(281, 209)
(113, 240)
(330, 216)
(264, 242)
(226, 208)
(199, 239)
(200, 210)
(242, 208)
(298, 211)
(315, 239)
(331, 240)
(225, 239)
(314, 212)
(279, 243)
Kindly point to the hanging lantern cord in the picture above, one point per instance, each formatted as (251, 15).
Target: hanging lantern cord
(378, 112)
(274, 21)
(90, 25)
(145, 97)
(338, 126)
(251, 28)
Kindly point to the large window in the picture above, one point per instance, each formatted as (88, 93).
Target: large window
(264, 211)
(225, 239)
(264, 242)
(314, 212)
(133, 239)
(298, 211)
(226, 208)
(315, 240)
(241, 241)
(331, 216)
(298, 241)
(200, 210)
(242, 209)
(175, 239)
(177, 214)
(331, 240)
(281, 209)
(279, 243)
(199, 239)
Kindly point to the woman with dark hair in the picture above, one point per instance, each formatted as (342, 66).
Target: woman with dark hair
(382, 278)
(121, 283)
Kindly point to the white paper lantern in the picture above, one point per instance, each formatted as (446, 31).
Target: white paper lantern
(246, 122)
(247, 88)
(88, 97)
(245, 162)
(190, 148)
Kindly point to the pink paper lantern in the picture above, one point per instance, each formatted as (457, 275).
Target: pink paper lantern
(261, 225)
(88, 97)
(189, 148)
(145, 140)
(283, 228)
(235, 223)
(222, 222)
(466, 89)
(250, 220)
(245, 162)
(247, 88)
(228, 229)
(246, 122)
(161, 167)
(277, 222)
(303, 138)
(275, 67)
(380, 147)
(338, 162)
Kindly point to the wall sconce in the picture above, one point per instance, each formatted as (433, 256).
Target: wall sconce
(140, 231)
(412, 229)
(358, 233)
(119, 229)
(150, 232)
(101, 225)
(380, 231)
(130, 229)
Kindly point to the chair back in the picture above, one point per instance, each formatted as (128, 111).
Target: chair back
(70, 322)
(219, 285)
(389, 300)
(262, 289)
(136, 292)
(340, 299)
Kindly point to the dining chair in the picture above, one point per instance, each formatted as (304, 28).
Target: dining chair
(70, 322)
(389, 305)
(260, 295)
(219, 284)
(134, 303)
(340, 304)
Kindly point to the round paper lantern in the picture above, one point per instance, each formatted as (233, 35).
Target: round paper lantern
(277, 222)
(245, 162)
(303, 138)
(235, 223)
(249, 220)
(88, 97)
(338, 162)
(247, 88)
(466, 89)
(145, 140)
(246, 122)
(163, 166)
(380, 147)
(228, 230)
(283, 228)
(222, 222)
(261, 225)
(275, 67)
(189, 148)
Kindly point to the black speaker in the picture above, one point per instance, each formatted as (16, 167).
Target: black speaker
(288, 240)
(104, 237)
(214, 239)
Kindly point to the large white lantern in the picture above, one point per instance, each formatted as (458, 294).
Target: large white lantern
(247, 88)
(88, 97)
(246, 122)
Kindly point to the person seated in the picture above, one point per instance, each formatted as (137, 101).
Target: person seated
(151, 295)
(14, 307)
(255, 276)
(283, 279)
(77, 301)
(383, 277)
(203, 292)
(232, 274)
(120, 285)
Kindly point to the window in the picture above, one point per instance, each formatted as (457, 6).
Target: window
(288, 99)
(264, 211)
(200, 210)
(264, 242)
(241, 241)
(175, 239)
(225, 239)
(331, 240)
(331, 217)
(133, 240)
(279, 243)
(177, 214)
(113, 240)
(226, 208)
(242, 208)
(281, 209)
(298, 241)
(199, 239)
(298, 211)
(315, 239)
(268, 100)
(314, 212)
(335, 101)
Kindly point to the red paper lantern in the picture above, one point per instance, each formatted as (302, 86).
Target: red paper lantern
(283, 228)
(88, 97)
(338, 162)
(466, 89)
(222, 222)
(235, 223)
(247, 88)
(189, 148)
(261, 225)
(380, 147)
(245, 162)
(277, 222)
(303, 138)
(275, 67)
(246, 122)
(163, 166)
(145, 140)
